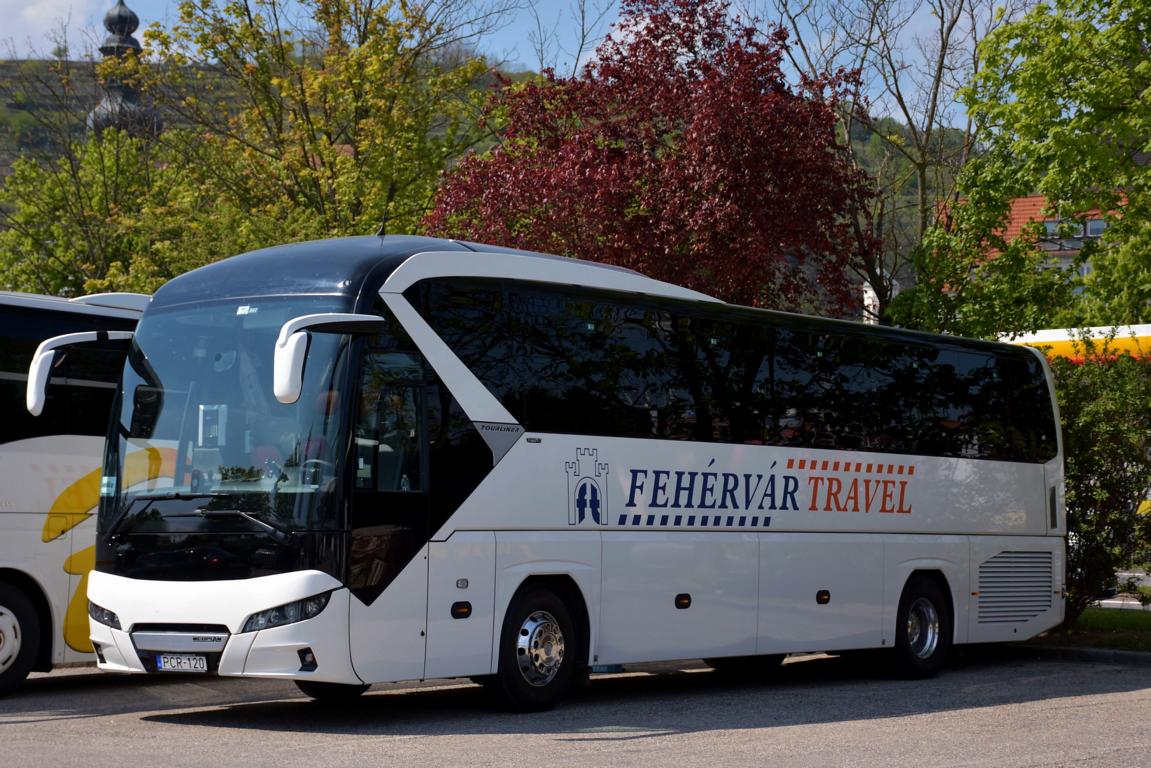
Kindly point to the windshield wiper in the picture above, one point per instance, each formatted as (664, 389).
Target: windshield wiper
(150, 498)
(114, 526)
(279, 532)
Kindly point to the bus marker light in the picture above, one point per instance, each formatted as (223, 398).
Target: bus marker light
(823, 597)
(683, 601)
(461, 610)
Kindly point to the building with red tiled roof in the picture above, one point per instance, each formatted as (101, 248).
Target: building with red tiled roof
(1062, 238)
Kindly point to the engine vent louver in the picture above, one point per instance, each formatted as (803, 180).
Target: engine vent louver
(1015, 587)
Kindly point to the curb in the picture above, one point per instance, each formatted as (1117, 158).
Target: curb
(1100, 655)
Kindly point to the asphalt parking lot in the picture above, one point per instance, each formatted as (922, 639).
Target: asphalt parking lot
(993, 708)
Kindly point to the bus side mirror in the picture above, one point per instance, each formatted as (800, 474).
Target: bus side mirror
(288, 366)
(36, 393)
(292, 346)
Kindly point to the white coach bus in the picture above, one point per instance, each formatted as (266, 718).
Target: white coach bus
(50, 476)
(402, 458)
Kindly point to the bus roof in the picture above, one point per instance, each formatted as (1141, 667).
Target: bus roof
(350, 267)
(357, 268)
(106, 304)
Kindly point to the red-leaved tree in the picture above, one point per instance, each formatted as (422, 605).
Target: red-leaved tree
(681, 151)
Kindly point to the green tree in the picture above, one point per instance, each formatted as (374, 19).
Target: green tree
(287, 121)
(110, 213)
(972, 281)
(320, 118)
(68, 221)
(180, 224)
(1063, 95)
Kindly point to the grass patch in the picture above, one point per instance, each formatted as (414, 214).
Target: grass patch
(1124, 630)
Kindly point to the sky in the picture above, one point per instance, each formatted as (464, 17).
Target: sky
(30, 24)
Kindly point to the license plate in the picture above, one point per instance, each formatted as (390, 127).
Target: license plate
(181, 662)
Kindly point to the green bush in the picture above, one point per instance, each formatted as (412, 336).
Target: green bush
(1105, 407)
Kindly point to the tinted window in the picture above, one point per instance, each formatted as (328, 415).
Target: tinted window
(399, 399)
(1028, 422)
(580, 362)
(83, 381)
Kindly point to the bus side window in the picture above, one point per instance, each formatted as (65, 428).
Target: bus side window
(796, 393)
(389, 427)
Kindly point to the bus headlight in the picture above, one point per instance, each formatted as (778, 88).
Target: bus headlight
(103, 616)
(289, 613)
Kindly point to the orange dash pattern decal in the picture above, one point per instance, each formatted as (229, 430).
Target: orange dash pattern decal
(856, 486)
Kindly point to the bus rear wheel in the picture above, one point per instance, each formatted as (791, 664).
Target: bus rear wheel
(19, 637)
(537, 651)
(331, 693)
(922, 629)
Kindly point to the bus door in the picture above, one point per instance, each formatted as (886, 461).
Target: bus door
(387, 559)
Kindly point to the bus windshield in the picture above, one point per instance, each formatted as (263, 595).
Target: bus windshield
(197, 421)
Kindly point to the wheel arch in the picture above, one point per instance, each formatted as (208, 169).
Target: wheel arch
(39, 599)
(939, 578)
(567, 590)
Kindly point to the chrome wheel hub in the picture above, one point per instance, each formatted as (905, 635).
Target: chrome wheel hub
(540, 648)
(9, 639)
(923, 628)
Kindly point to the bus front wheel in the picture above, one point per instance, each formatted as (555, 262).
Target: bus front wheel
(537, 651)
(331, 693)
(922, 629)
(19, 637)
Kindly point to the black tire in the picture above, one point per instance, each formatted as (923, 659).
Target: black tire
(331, 693)
(747, 667)
(922, 629)
(538, 648)
(19, 637)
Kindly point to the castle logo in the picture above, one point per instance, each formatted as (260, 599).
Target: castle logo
(587, 487)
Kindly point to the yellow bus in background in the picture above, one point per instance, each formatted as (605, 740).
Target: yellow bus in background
(1134, 340)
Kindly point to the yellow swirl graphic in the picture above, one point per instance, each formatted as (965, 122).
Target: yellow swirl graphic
(76, 619)
(75, 505)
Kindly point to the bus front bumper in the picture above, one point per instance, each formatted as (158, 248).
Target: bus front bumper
(197, 628)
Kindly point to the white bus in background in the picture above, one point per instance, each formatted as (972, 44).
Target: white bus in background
(50, 475)
(401, 458)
